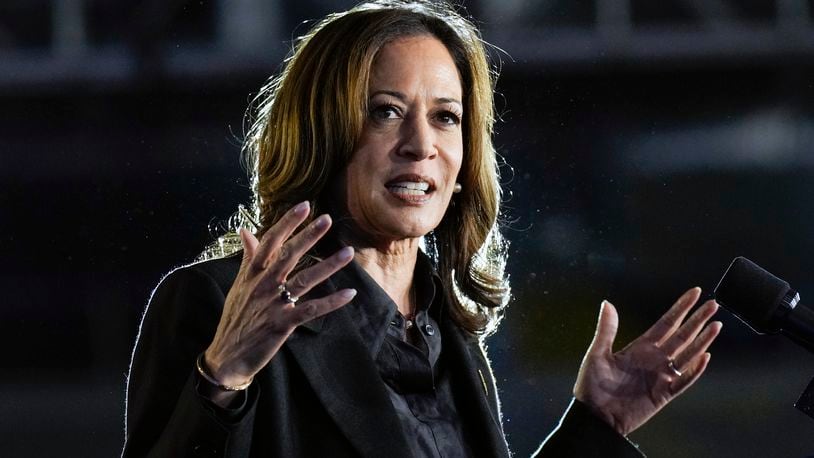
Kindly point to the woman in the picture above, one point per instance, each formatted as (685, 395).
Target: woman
(346, 337)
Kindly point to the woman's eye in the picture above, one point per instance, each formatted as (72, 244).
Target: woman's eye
(385, 112)
(448, 117)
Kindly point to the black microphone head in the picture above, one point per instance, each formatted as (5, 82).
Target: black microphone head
(752, 294)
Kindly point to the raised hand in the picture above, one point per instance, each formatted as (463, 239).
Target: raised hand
(258, 315)
(628, 387)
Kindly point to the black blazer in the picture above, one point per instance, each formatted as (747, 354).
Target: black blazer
(320, 396)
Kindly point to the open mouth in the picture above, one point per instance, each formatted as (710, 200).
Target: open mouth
(411, 188)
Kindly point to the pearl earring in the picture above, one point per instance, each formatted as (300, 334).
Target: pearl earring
(457, 188)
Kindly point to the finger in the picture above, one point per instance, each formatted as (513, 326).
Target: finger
(700, 344)
(249, 243)
(306, 279)
(314, 308)
(690, 375)
(606, 327)
(689, 330)
(671, 320)
(279, 233)
(292, 250)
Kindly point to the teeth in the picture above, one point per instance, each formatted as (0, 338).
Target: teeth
(408, 192)
(411, 185)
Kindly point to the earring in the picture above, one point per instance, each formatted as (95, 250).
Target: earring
(457, 188)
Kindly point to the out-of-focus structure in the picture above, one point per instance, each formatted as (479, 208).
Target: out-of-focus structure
(61, 42)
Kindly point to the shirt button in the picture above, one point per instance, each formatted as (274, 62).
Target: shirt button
(429, 329)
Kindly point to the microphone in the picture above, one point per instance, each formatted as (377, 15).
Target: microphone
(768, 305)
(765, 303)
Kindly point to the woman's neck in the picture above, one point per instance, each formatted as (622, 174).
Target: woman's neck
(392, 267)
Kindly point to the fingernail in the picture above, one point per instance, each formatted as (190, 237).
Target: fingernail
(345, 253)
(322, 222)
(301, 207)
(347, 294)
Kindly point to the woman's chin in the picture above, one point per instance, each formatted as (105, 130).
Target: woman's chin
(401, 231)
(390, 222)
(415, 223)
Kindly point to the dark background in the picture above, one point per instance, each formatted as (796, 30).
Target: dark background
(646, 145)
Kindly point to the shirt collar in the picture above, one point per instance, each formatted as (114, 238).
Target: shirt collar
(372, 309)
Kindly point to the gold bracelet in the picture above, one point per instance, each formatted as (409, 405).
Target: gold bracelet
(199, 363)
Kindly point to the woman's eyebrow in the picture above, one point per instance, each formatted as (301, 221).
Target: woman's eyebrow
(395, 94)
(403, 97)
(448, 100)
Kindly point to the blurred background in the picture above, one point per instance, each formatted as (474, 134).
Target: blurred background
(646, 145)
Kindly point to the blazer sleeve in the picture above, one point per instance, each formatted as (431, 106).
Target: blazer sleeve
(165, 416)
(583, 434)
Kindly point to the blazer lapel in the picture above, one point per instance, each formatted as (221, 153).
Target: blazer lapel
(474, 390)
(344, 376)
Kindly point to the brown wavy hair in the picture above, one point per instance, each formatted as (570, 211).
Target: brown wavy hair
(309, 118)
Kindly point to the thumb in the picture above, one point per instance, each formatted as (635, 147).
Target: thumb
(606, 327)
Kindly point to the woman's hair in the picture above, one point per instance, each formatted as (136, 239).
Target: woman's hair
(309, 118)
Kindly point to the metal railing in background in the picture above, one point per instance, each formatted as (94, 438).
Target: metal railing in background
(62, 43)
(635, 31)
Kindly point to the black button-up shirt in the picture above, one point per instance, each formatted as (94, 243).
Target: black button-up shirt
(409, 358)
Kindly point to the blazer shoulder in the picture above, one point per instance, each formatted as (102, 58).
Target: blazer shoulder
(193, 288)
(221, 270)
(218, 272)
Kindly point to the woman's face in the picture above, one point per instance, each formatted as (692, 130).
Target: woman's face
(400, 178)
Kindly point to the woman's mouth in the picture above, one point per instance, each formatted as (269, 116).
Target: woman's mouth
(413, 191)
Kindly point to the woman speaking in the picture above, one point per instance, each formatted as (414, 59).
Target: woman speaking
(348, 321)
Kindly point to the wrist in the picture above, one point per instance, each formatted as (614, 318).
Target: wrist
(602, 414)
(216, 380)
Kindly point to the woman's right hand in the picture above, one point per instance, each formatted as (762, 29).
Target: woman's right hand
(256, 319)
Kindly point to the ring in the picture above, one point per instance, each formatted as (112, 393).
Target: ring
(672, 365)
(285, 294)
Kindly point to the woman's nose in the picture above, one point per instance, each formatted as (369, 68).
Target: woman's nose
(420, 139)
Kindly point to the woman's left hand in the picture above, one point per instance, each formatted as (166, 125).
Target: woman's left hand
(628, 387)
